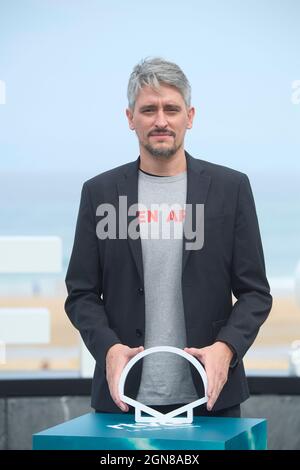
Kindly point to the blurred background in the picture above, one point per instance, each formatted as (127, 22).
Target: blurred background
(64, 69)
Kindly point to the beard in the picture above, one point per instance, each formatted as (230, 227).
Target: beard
(161, 151)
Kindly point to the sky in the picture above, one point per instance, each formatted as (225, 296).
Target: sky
(66, 64)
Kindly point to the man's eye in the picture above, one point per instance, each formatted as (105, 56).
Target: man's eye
(172, 110)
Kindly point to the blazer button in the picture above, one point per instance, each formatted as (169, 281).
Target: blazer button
(139, 333)
(140, 290)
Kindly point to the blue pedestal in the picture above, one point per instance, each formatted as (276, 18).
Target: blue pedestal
(119, 431)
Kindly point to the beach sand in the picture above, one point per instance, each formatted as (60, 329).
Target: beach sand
(281, 328)
(63, 336)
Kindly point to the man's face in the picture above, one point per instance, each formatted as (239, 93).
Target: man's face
(160, 119)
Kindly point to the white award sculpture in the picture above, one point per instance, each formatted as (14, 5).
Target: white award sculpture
(154, 415)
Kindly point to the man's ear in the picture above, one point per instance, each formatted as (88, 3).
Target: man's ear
(191, 115)
(129, 115)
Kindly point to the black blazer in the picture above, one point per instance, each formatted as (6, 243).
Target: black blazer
(105, 277)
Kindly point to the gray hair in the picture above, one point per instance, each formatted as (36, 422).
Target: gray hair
(154, 71)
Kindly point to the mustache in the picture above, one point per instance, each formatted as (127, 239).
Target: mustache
(161, 132)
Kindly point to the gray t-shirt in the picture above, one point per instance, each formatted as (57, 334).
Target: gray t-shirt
(166, 377)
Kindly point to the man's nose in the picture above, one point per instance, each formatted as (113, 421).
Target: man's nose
(160, 120)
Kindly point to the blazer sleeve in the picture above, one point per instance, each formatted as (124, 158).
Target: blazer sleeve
(248, 277)
(84, 305)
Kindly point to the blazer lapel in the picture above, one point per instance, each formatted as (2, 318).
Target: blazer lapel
(128, 186)
(197, 190)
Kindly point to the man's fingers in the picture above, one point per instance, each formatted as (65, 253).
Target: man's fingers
(210, 386)
(113, 383)
(116, 397)
(216, 369)
(198, 353)
(115, 386)
(210, 372)
(134, 351)
(214, 395)
(122, 405)
(211, 402)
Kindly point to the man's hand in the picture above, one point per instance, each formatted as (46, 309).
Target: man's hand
(216, 360)
(116, 359)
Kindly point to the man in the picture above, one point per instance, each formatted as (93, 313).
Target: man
(130, 293)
